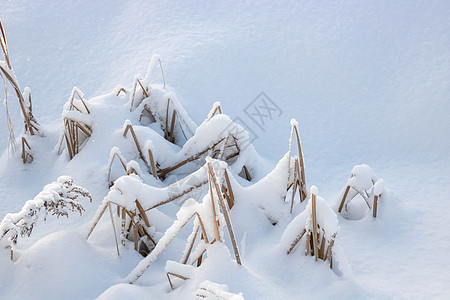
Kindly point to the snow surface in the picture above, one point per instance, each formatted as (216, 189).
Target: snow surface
(367, 81)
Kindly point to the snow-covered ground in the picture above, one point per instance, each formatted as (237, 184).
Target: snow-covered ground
(367, 81)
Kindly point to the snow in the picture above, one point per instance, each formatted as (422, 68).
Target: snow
(378, 187)
(78, 117)
(367, 83)
(362, 177)
(179, 269)
(213, 290)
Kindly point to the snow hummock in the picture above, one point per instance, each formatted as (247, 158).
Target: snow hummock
(357, 100)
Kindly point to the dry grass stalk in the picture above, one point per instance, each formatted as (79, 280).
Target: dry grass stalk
(97, 219)
(123, 162)
(375, 205)
(176, 275)
(162, 73)
(152, 164)
(143, 90)
(314, 221)
(328, 255)
(4, 45)
(247, 173)
(199, 258)
(226, 216)
(295, 242)
(26, 156)
(217, 110)
(12, 138)
(169, 131)
(229, 191)
(142, 213)
(172, 127)
(165, 171)
(72, 99)
(166, 133)
(294, 189)
(322, 246)
(181, 194)
(190, 244)
(300, 184)
(123, 227)
(302, 164)
(213, 206)
(121, 90)
(114, 227)
(341, 205)
(307, 244)
(135, 238)
(136, 142)
(133, 94)
(227, 196)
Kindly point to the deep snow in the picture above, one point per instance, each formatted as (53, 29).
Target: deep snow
(368, 83)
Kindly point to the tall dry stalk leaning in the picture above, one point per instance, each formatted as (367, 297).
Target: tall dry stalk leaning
(8, 76)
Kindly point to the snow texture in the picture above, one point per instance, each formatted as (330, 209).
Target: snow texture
(367, 83)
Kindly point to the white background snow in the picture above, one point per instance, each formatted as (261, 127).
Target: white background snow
(368, 82)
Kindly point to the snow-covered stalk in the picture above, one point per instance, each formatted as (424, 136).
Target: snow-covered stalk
(365, 183)
(151, 159)
(211, 290)
(133, 102)
(169, 235)
(213, 178)
(190, 242)
(115, 152)
(98, 215)
(123, 227)
(77, 122)
(129, 127)
(165, 171)
(299, 165)
(213, 208)
(114, 227)
(216, 109)
(319, 223)
(58, 198)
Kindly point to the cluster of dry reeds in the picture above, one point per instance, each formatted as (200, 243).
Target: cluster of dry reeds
(8, 76)
(317, 244)
(371, 195)
(220, 193)
(298, 173)
(76, 132)
(216, 150)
